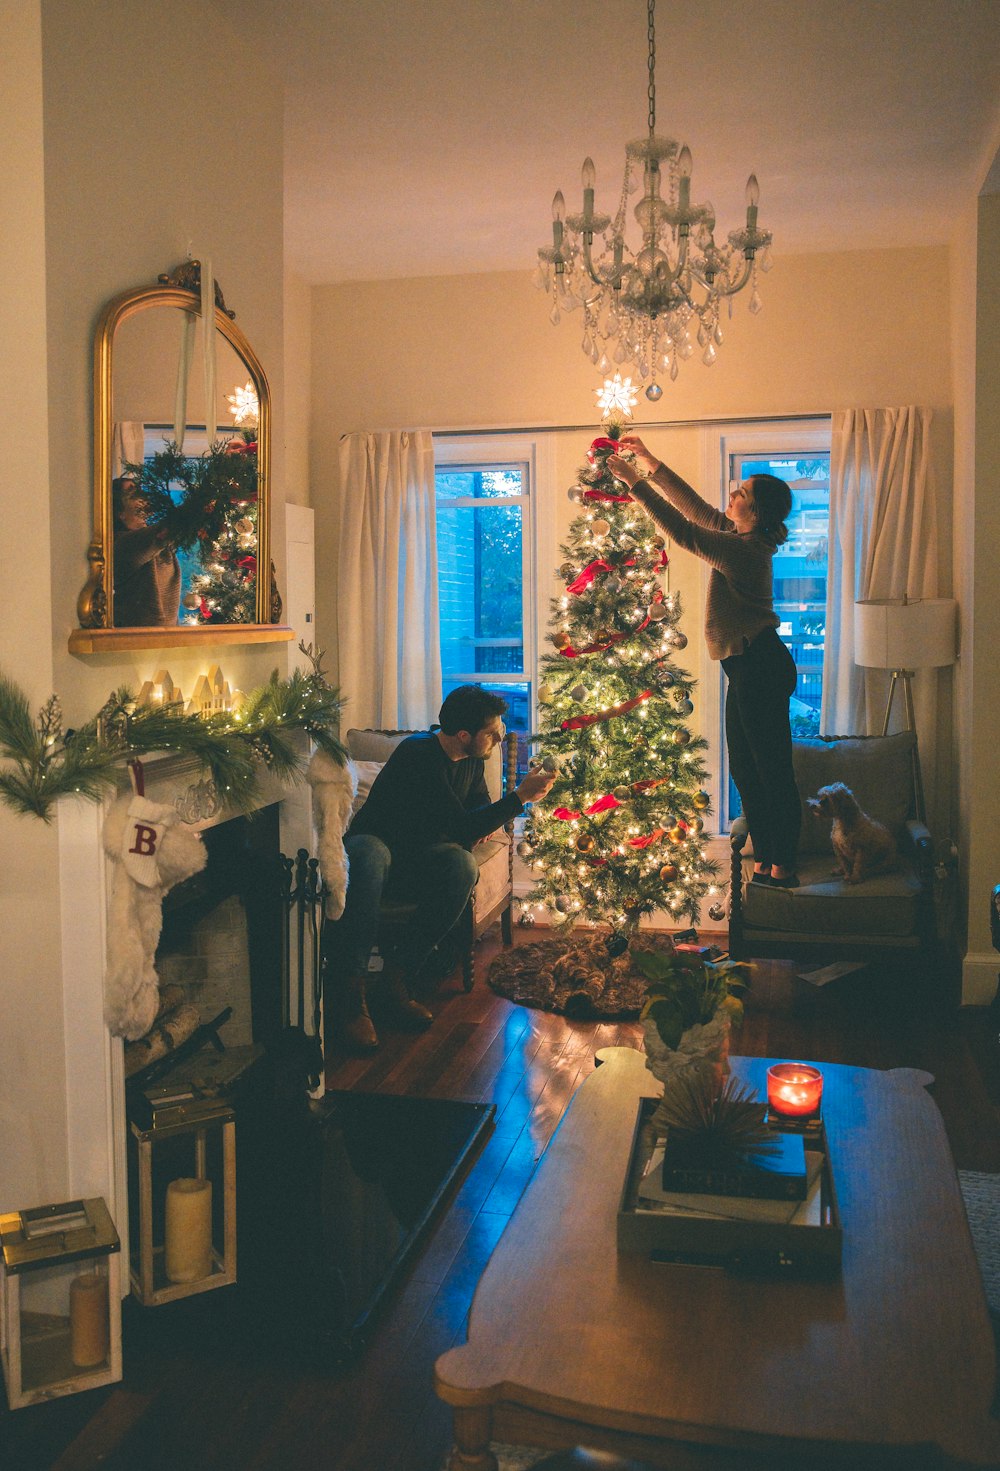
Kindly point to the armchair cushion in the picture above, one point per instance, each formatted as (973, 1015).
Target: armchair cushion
(824, 905)
(878, 770)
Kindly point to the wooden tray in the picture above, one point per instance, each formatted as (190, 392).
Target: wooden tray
(750, 1248)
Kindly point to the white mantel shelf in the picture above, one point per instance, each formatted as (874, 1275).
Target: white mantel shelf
(108, 640)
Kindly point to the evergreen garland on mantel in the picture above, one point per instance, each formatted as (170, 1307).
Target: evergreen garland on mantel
(47, 763)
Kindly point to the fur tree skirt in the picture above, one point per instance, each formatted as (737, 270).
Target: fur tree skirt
(575, 976)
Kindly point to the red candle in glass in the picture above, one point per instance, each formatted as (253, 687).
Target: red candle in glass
(794, 1089)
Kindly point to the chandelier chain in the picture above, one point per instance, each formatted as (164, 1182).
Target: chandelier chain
(651, 89)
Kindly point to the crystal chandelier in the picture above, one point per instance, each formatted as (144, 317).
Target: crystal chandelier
(642, 307)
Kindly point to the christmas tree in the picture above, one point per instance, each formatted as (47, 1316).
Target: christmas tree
(621, 834)
(225, 589)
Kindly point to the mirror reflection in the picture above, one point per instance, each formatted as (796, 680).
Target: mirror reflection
(184, 495)
(181, 476)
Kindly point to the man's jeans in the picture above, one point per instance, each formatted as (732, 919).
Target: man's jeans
(440, 886)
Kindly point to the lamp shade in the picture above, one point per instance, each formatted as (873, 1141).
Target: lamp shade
(897, 634)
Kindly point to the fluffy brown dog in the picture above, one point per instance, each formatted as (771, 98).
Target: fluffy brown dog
(863, 846)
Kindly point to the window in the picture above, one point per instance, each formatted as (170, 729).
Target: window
(800, 565)
(483, 544)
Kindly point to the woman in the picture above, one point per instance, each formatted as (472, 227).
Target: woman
(147, 572)
(741, 632)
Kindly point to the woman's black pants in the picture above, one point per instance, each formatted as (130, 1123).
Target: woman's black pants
(759, 738)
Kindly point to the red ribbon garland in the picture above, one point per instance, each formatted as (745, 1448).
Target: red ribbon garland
(586, 577)
(603, 495)
(579, 721)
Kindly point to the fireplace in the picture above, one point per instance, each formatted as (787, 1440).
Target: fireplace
(221, 943)
(235, 900)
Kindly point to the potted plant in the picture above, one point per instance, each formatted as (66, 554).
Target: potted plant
(692, 1008)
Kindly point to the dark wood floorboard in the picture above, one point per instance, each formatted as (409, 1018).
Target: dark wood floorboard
(188, 1409)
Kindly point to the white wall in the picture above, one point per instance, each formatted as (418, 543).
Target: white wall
(978, 511)
(32, 1136)
(122, 124)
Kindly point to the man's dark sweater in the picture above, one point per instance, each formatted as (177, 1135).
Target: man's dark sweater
(422, 797)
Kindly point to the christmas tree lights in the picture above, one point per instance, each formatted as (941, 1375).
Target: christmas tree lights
(621, 835)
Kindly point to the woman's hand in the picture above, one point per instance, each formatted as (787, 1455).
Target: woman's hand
(647, 463)
(624, 470)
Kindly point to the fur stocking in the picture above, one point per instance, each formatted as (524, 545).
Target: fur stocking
(334, 788)
(151, 850)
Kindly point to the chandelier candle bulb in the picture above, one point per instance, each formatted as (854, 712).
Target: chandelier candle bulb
(794, 1090)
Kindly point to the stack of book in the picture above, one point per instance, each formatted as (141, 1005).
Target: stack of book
(780, 1183)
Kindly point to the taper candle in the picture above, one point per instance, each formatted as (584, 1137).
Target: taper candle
(188, 1236)
(89, 1320)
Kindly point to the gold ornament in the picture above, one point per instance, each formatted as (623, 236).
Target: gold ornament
(702, 801)
(681, 736)
(696, 826)
(621, 793)
(546, 694)
(677, 834)
(668, 873)
(600, 527)
(244, 526)
(560, 639)
(584, 843)
(679, 640)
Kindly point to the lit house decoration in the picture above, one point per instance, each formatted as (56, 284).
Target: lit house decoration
(160, 691)
(212, 694)
(641, 305)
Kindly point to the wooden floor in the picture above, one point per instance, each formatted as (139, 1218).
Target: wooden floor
(174, 1411)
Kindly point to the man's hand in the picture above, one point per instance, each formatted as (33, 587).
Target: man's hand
(646, 463)
(537, 783)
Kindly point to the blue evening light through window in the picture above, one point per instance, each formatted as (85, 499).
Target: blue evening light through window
(481, 585)
(800, 571)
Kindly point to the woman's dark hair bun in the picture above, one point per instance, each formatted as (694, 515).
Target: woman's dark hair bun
(772, 501)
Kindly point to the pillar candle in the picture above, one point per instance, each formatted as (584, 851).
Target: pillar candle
(189, 1230)
(89, 1321)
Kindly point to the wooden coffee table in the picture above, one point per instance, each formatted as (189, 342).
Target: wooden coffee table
(571, 1343)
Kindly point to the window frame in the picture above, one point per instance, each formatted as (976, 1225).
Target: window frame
(535, 455)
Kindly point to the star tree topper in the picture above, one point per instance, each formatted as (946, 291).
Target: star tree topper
(617, 398)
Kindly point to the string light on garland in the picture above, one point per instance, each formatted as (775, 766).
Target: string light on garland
(42, 762)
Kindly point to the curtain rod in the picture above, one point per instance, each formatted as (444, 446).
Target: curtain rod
(638, 428)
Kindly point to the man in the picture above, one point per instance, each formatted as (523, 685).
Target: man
(412, 841)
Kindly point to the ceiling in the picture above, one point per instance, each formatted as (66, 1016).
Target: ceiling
(427, 137)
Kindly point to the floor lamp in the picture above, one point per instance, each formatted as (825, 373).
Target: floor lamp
(904, 636)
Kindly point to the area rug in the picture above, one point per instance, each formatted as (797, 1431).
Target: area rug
(512, 1457)
(575, 976)
(981, 1193)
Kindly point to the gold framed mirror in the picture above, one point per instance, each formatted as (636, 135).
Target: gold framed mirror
(180, 549)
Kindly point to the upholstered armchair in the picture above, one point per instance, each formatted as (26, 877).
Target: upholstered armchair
(888, 912)
(493, 897)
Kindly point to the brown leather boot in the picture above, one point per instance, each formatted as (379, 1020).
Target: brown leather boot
(411, 1015)
(359, 1030)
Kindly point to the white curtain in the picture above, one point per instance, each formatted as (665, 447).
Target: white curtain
(387, 598)
(883, 544)
(128, 445)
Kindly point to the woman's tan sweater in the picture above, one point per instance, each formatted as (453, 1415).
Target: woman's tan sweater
(740, 601)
